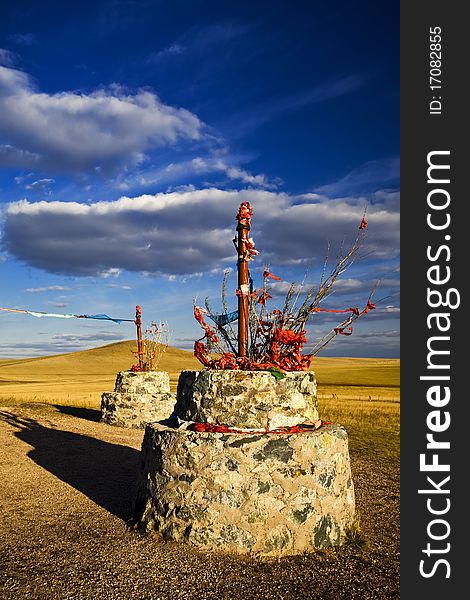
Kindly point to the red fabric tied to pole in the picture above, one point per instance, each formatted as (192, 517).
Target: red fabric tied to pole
(300, 428)
(335, 310)
(267, 274)
(210, 333)
(244, 213)
(263, 297)
(250, 248)
(276, 339)
(201, 354)
(289, 337)
(370, 306)
(343, 330)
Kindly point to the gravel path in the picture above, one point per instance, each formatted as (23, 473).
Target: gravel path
(66, 487)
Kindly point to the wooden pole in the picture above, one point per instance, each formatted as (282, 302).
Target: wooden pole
(138, 324)
(243, 291)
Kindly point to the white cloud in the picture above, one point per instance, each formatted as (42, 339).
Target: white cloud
(247, 120)
(59, 343)
(111, 272)
(349, 285)
(98, 336)
(375, 172)
(78, 131)
(22, 39)
(15, 157)
(208, 40)
(174, 49)
(194, 167)
(49, 288)
(7, 58)
(187, 232)
(40, 185)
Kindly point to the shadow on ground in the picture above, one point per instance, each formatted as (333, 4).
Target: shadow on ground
(90, 414)
(106, 473)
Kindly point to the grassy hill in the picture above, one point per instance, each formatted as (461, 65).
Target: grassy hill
(84, 375)
(105, 360)
(79, 377)
(361, 393)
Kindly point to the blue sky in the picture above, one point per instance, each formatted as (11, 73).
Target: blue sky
(130, 131)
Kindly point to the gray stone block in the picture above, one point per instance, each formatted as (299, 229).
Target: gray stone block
(249, 399)
(266, 494)
(143, 382)
(138, 399)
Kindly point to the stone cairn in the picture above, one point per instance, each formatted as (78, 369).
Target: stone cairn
(138, 398)
(249, 489)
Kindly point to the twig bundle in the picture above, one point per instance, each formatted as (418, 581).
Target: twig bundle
(154, 344)
(277, 337)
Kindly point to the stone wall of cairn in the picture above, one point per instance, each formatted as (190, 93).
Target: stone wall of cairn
(249, 399)
(139, 398)
(269, 494)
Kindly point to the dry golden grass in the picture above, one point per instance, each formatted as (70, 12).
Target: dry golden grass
(79, 378)
(360, 393)
(363, 394)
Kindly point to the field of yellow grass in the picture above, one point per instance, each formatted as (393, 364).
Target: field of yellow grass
(363, 394)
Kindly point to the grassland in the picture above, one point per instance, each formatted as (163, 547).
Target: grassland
(68, 484)
(363, 394)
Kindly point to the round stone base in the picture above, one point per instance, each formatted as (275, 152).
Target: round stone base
(138, 399)
(135, 410)
(142, 382)
(247, 399)
(269, 494)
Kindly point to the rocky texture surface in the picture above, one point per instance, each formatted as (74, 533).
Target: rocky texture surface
(270, 494)
(143, 382)
(249, 399)
(138, 399)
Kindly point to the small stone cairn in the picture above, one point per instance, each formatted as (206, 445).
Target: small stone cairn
(260, 492)
(139, 398)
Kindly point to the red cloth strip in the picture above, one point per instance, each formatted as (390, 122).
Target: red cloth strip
(213, 428)
(267, 274)
(333, 310)
(343, 330)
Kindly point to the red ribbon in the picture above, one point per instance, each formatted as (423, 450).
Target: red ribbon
(244, 213)
(263, 297)
(343, 330)
(267, 274)
(213, 428)
(370, 306)
(333, 310)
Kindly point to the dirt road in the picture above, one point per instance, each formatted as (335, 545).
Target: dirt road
(66, 489)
